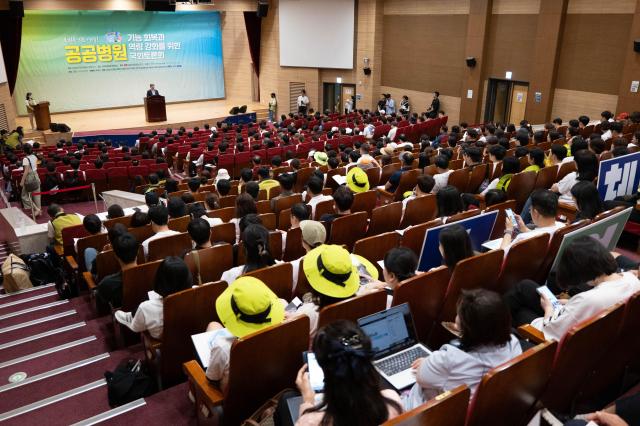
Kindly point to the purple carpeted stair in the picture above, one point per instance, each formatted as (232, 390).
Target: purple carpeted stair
(53, 356)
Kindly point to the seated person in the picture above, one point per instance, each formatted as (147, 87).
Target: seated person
(587, 165)
(510, 166)
(394, 179)
(265, 181)
(194, 185)
(252, 188)
(332, 276)
(93, 225)
(196, 210)
(423, 187)
(343, 198)
(212, 201)
(223, 187)
(139, 219)
(257, 253)
(151, 199)
(484, 324)
(59, 221)
(314, 234)
(544, 208)
(449, 202)
(200, 233)
(441, 178)
(286, 181)
(159, 218)
(238, 306)
(176, 207)
(344, 353)
(400, 264)
(584, 261)
(172, 276)
(109, 289)
(314, 190)
(114, 211)
(187, 198)
(455, 245)
(587, 199)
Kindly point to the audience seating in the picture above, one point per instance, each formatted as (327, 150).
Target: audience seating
(275, 247)
(353, 308)
(364, 202)
(554, 246)
(408, 181)
(425, 294)
(413, 237)
(225, 213)
(136, 283)
(522, 261)
(385, 218)
(375, 247)
(459, 179)
(277, 277)
(324, 207)
(507, 394)
(546, 177)
(476, 177)
(499, 225)
(446, 409)
(246, 392)
(185, 313)
(173, 245)
(348, 229)
(213, 262)
(293, 247)
(419, 210)
(520, 188)
(225, 232)
(565, 169)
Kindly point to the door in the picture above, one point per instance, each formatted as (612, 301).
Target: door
(518, 103)
(506, 101)
(348, 98)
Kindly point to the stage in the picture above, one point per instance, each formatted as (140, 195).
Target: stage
(131, 120)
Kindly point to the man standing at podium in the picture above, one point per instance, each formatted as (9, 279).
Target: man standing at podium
(152, 90)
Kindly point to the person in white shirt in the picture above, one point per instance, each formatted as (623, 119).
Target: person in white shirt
(172, 276)
(605, 127)
(159, 216)
(584, 262)
(303, 102)
(484, 325)
(257, 253)
(30, 103)
(314, 189)
(405, 107)
(544, 207)
(587, 165)
(368, 131)
(245, 307)
(423, 187)
(30, 163)
(390, 104)
(392, 132)
(273, 107)
(441, 178)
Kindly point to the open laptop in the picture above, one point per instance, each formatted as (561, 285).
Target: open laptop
(394, 343)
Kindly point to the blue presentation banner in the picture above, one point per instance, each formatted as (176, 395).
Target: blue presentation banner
(619, 176)
(479, 229)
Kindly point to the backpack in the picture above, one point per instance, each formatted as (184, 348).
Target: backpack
(44, 269)
(71, 179)
(128, 382)
(15, 274)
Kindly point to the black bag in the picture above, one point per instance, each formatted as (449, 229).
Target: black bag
(43, 268)
(128, 382)
(71, 180)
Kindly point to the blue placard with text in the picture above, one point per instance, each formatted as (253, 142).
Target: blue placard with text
(619, 176)
(479, 229)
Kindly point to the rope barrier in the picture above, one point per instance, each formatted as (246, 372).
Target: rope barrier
(57, 191)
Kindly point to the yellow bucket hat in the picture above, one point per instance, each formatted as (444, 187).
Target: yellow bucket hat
(357, 180)
(248, 306)
(331, 272)
(321, 158)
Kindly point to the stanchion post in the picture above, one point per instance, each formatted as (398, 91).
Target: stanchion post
(95, 201)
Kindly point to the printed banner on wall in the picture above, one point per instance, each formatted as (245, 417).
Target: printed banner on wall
(619, 176)
(80, 60)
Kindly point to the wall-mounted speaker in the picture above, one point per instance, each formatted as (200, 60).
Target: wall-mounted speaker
(159, 5)
(367, 71)
(636, 45)
(471, 61)
(263, 8)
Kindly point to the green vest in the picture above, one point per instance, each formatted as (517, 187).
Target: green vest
(61, 221)
(504, 181)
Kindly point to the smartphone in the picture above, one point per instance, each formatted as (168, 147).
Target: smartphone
(512, 217)
(544, 291)
(316, 375)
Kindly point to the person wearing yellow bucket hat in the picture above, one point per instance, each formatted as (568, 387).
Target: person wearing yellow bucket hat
(357, 180)
(320, 158)
(245, 307)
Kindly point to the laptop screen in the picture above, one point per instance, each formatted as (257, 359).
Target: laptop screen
(389, 330)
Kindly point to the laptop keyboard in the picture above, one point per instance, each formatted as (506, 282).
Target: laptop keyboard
(401, 361)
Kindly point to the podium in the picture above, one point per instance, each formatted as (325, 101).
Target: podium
(155, 109)
(43, 118)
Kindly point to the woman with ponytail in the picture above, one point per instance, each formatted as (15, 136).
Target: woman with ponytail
(257, 254)
(352, 393)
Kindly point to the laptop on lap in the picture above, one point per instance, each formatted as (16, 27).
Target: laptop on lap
(394, 343)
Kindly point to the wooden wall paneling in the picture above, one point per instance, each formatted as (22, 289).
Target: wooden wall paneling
(515, 7)
(422, 7)
(568, 104)
(592, 52)
(546, 55)
(424, 66)
(9, 107)
(479, 19)
(628, 101)
(601, 6)
(420, 101)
